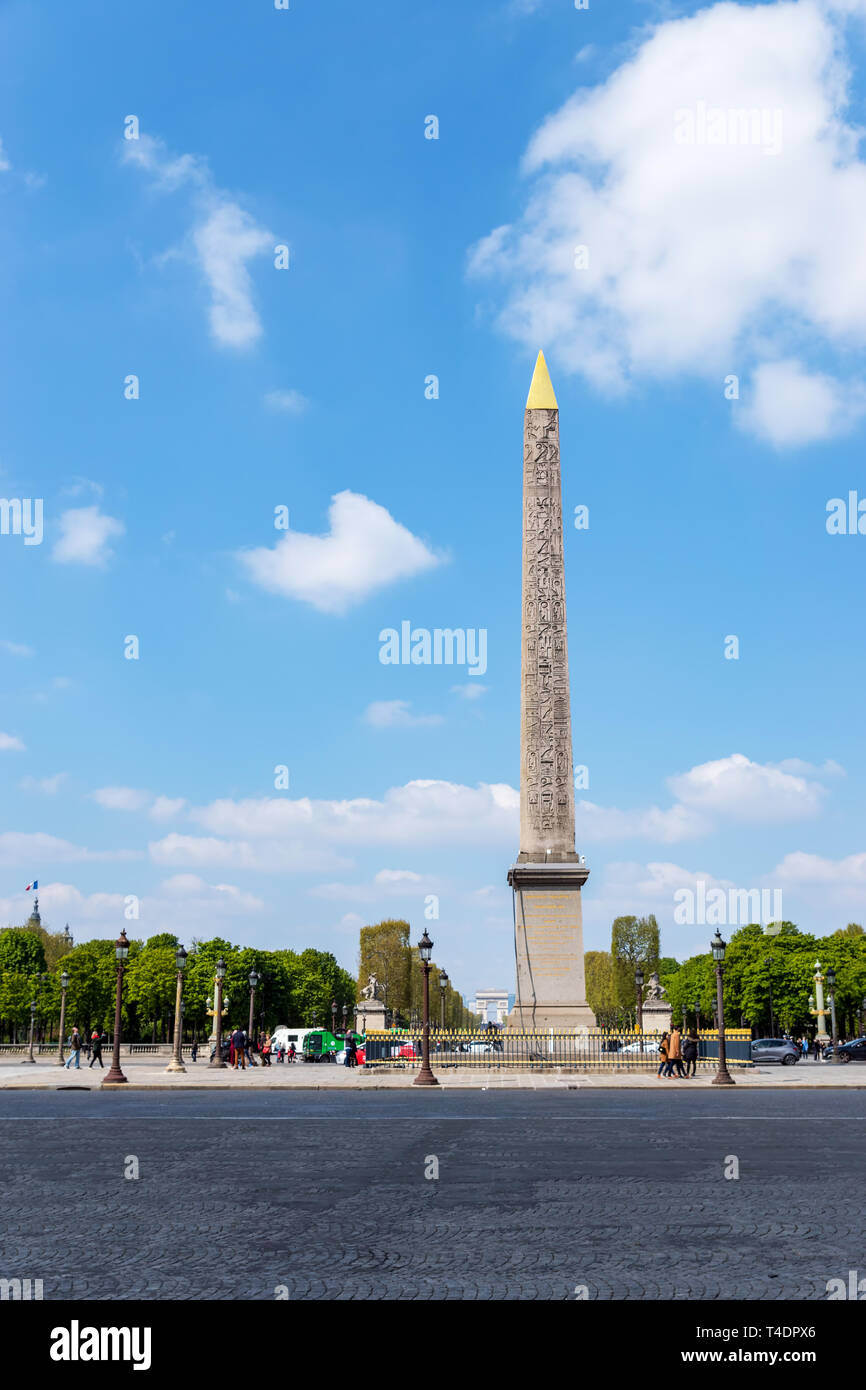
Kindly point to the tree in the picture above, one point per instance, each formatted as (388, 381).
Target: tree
(21, 951)
(386, 953)
(634, 941)
(602, 989)
(852, 929)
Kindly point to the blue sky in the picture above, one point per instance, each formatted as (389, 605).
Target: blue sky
(262, 387)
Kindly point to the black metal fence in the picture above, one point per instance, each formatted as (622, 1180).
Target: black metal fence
(594, 1050)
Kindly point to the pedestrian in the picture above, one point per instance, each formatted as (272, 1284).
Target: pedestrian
(351, 1052)
(817, 1050)
(804, 1047)
(663, 1049)
(193, 1052)
(266, 1051)
(238, 1046)
(283, 1051)
(675, 1053)
(96, 1043)
(690, 1052)
(249, 1045)
(75, 1049)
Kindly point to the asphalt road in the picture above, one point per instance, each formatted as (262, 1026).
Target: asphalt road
(537, 1195)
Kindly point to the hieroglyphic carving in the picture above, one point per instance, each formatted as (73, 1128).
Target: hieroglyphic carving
(546, 786)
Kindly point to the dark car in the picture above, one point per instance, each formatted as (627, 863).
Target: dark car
(854, 1051)
(775, 1050)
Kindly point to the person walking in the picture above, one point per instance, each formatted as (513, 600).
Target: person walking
(291, 1054)
(351, 1052)
(96, 1044)
(675, 1053)
(663, 1049)
(817, 1050)
(249, 1047)
(238, 1045)
(690, 1052)
(193, 1052)
(266, 1051)
(75, 1050)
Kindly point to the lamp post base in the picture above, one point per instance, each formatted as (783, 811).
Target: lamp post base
(115, 1078)
(175, 1065)
(425, 1078)
(723, 1078)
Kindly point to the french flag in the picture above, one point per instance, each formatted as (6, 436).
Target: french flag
(34, 884)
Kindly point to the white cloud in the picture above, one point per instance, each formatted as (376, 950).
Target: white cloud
(223, 238)
(789, 405)
(472, 691)
(10, 744)
(184, 904)
(364, 550)
(387, 883)
(264, 856)
(4, 160)
(389, 714)
(17, 649)
(85, 533)
(48, 785)
(18, 847)
(287, 402)
(120, 798)
(703, 258)
(167, 807)
(736, 788)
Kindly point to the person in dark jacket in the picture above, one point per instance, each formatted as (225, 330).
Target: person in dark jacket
(351, 1052)
(96, 1044)
(238, 1045)
(690, 1052)
(193, 1052)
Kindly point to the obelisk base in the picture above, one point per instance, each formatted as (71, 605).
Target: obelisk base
(548, 918)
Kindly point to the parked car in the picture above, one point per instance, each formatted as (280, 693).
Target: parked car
(775, 1050)
(854, 1051)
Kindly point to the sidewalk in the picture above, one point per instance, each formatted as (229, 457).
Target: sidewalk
(147, 1073)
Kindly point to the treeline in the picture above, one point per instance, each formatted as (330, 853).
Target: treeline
(388, 952)
(768, 977)
(293, 987)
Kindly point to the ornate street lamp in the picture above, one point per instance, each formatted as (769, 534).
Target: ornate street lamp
(254, 982)
(345, 1018)
(115, 1076)
(64, 985)
(821, 1037)
(831, 985)
(333, 1017)
(425, 1076)
(176, 1063)
(638, 986)
(697, 1009)
(722, 1076)
(443, 985)
(219, 974)
(30, 1057)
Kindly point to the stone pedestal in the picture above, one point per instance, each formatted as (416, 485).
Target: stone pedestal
(657, 1016)
(371, 1015)
(551, 987)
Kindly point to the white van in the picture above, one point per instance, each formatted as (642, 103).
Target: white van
(285, 1035)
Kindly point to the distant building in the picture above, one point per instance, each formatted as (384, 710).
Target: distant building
(491, 1004)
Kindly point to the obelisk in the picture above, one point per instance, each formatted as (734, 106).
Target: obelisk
(549, 874)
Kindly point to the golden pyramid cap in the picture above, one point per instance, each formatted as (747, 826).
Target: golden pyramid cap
(541, 394)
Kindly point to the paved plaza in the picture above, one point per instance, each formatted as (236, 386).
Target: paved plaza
(538, 1194)
(150, 1073)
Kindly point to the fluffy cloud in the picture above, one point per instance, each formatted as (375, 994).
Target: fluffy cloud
(184, 903)
(10, 744)
(364, 550)
(135, 799)
(738, 789)
(85, 533)
(710, 253)
(388, 714)
(223, 238)
(49, 786)
(27, 848)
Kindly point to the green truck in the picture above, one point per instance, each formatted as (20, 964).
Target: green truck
(321, 1045)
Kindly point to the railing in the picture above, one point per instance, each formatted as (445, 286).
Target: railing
(591, 1050)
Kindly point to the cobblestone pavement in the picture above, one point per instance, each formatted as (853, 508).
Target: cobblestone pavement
(537, 1194)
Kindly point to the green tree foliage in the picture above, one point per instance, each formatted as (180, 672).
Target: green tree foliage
(634, 941)
(387, 954)
(21, 951)
(602, 988)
